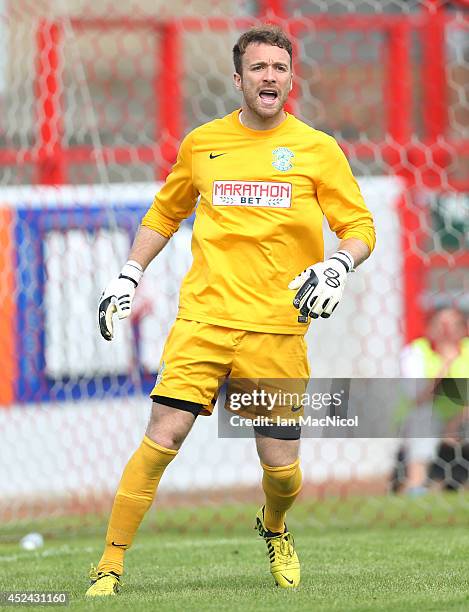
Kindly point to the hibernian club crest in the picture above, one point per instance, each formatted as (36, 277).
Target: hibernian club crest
(282, 157)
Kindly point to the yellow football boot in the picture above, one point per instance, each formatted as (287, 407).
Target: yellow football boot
(284, 562)
(103, 584)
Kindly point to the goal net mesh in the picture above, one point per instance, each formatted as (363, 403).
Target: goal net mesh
(95, 98)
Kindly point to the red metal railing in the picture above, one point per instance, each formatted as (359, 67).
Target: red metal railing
(50, 160)
(168, 89)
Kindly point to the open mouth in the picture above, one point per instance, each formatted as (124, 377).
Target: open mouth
(268, 96)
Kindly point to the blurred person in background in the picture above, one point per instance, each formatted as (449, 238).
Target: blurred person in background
(433, 421)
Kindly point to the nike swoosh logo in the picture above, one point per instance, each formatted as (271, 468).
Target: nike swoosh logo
(289, 581)
(212, 156)
(295, 408)
(123, 545)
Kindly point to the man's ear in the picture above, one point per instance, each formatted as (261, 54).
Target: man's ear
(237, 80)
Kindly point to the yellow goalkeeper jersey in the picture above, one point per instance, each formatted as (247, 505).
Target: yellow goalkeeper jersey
(259, 219)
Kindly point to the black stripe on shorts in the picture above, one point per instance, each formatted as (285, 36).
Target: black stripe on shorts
(180, 404)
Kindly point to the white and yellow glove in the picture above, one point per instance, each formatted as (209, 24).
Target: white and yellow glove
(321, 286)
(117, 297)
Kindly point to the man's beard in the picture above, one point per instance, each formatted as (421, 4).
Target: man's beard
(263, 112)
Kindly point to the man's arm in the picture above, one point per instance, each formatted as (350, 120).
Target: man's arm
(146, 246)
(320, 287)
(341, 201)
(173, 203)
(357, 249)
(118, 295)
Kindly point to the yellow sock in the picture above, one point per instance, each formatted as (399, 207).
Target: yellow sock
(281, 486)
(134, 497)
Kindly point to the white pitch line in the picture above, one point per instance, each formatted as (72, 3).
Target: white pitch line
(68, 550)
(50, 552)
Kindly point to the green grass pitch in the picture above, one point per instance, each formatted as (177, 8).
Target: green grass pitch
(353, 568)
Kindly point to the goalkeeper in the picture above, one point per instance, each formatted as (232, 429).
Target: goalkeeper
(264, 181)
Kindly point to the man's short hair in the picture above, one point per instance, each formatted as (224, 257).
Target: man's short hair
(268, 34)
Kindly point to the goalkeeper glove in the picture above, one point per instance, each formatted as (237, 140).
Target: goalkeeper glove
(117, 297)
(321, 286)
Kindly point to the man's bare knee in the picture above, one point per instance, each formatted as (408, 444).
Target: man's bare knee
(277, 453)
(169, 426)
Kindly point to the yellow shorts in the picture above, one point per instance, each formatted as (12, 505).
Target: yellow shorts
(197, 356)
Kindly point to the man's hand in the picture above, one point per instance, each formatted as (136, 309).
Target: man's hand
(117, 297)
(321, 286)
